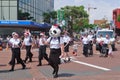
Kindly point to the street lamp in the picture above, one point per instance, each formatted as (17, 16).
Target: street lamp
(89, 9)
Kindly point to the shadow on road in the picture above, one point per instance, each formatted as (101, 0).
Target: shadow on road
(6, 71)
(66, 75)
(3, 65)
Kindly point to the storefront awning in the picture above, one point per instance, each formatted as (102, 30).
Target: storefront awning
(23, 24)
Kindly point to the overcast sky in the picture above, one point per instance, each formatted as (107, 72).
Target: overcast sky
(104, 7)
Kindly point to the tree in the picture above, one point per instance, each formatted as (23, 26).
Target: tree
(24, 16)
(47, 16)
(77, 17)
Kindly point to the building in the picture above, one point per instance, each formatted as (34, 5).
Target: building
(116, 20)
(9, 9)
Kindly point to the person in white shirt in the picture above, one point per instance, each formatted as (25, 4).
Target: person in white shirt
(66, 40)
(85, 41)
(27, 42)
(90, 44)
(100, 41)
(42, 49)
(15, 44)
(105, 46)
(56, 49)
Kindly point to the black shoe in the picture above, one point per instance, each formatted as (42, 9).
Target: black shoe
(39, 65)
(11, 70)
(30, 61)
(24, 67)
(106, 56)
(68, 59)
(55, 76)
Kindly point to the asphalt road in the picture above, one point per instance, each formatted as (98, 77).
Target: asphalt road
(80, 67)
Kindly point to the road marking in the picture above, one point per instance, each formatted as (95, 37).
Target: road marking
(90, 65)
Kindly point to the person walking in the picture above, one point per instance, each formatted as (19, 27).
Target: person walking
(90, 44)
(66, 40)
(85, 41)
(27, 42)
(56, 49)
(106, 45)
(42, 49)
(15, 44)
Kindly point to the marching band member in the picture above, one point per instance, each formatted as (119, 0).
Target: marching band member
(42, 49)
(66, 40)
(106, 43)
(15, 44)
(85, 41)
(100, 41)
(56, 48)
(28, 44)
(90, 44)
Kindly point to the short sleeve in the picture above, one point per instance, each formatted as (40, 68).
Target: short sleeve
(48, 40)
(61, 40)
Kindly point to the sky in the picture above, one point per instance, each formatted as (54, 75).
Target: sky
(103, 9)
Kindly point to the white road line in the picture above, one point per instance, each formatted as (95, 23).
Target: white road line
(90, 65)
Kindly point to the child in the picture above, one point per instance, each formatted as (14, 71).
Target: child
(110, 53)
(75, 48)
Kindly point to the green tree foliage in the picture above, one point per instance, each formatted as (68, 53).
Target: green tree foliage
(47, 16)
(24, 16)
(76, 16)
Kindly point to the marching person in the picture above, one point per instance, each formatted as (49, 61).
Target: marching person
(15, 44)
(85, 45)
(90, 44)
(106, 43)
(66, 40)
(100, 41)
(27, 42)
(56, 48)
(42, 49)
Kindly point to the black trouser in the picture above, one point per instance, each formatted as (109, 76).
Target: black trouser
(11, 57)
(16, 55)
(100, 48)
(42, 53)
(54, 59)
(105, 49)
(85, 50)
(90, 48)
(28, 53)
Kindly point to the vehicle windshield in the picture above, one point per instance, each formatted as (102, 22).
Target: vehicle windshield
(104, 33)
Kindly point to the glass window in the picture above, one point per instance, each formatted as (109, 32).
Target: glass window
(5, 13)
(13, 13)
(0, 13)
(13, 3)
(5, 3)
(0, 3)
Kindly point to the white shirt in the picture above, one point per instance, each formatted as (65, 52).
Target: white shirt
(66, 38)
(14, 42)
(100, 39)
(41, 41)
(106, 41)
(54, 43)
(26, 41)
(90, 37)
(85, 40)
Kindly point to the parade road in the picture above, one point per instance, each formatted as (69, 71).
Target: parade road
(79, 68)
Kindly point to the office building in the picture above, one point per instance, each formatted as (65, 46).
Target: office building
(9, 9)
